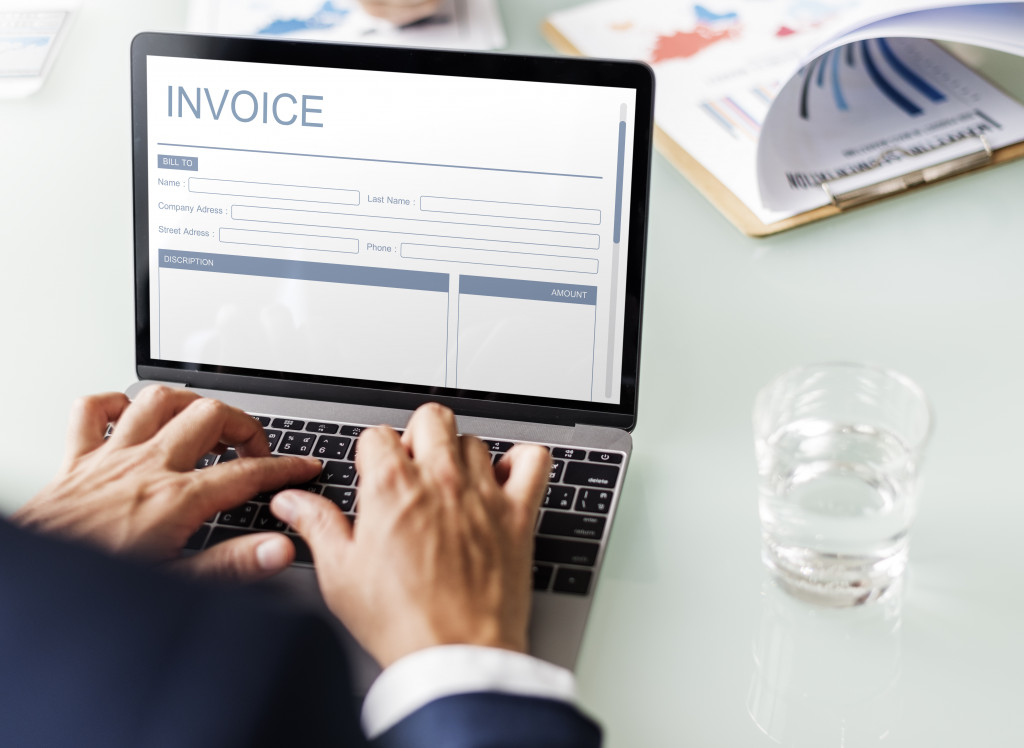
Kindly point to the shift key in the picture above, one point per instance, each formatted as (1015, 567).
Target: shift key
(591, 474)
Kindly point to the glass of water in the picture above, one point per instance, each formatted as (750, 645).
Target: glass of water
(839, 450)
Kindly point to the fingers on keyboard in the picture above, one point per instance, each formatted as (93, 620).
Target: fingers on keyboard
(570, 529)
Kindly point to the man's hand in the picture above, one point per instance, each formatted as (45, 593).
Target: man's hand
(401, 12)
(138, 492)
(442, 550)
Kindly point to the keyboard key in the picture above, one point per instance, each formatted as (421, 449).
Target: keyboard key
(322, 428)
(556, 471)
(542, 576)
(296, 443)
(303, 555)
(559, 497)
(593, 500)
(573, 581)
(355, 444)
(591, 474)
(569, 453)
(206, 460)
(241, 516)
(264, 420)
(273, 437)
(558, 551)
(267, 522)
(609, 458)
(220, 534)
(572, 525)
(289, 423)
(332, 447)
(497, 446)
(229, 454)
(196, 540)
(338, 473)
(345, 498)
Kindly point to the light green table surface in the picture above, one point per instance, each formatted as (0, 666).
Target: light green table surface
(687, 643)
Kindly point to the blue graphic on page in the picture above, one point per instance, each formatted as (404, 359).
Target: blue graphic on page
(23, 42)
(709, 18)
(328, 16)
(915, 94)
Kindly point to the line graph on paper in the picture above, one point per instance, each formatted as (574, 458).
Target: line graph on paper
(742, 113)
(877, 73)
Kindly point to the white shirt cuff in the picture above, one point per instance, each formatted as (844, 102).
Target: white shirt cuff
(430, 674)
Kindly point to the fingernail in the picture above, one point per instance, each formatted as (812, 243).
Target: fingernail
(284, 506)
(272, 554)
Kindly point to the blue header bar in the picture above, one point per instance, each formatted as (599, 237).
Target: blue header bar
(565, 293)
(324, 272)
(180, 163)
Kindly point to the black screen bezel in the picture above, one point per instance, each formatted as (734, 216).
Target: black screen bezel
(607, 73)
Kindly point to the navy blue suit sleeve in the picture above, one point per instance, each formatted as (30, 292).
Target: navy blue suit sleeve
(96, 652)
(99, 653)
(493, 720)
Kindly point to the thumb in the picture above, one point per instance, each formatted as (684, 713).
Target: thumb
(245, 559)
(320, 522)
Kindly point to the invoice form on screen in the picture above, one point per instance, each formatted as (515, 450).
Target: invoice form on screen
(430, 230)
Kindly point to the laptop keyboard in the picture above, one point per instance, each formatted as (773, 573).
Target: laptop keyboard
(570, 528)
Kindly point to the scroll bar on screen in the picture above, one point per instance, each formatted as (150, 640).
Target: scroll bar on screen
(616, 232)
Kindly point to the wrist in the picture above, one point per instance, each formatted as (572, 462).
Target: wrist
(401, 648)
(412, 629)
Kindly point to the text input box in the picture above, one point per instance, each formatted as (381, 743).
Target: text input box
(290, 241)
(301, 193)
(501, 259)
(415, 227)
(497, 209)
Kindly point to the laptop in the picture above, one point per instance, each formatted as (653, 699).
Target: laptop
(328, 236)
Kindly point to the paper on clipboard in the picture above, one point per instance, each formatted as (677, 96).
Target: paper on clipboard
(720, 66)
(458, 24)
(905, 98)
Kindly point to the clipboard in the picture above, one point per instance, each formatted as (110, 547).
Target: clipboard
(841, 200)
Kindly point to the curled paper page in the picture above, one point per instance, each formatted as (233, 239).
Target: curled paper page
(721, 64)
(872, 110)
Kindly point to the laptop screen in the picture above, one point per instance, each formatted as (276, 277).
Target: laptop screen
(426, 231)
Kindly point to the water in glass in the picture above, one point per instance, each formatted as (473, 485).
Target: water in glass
(836, 501)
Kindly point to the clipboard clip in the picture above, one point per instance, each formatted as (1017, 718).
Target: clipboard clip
(933, 173)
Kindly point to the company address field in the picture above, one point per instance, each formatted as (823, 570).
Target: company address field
(415, 226)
